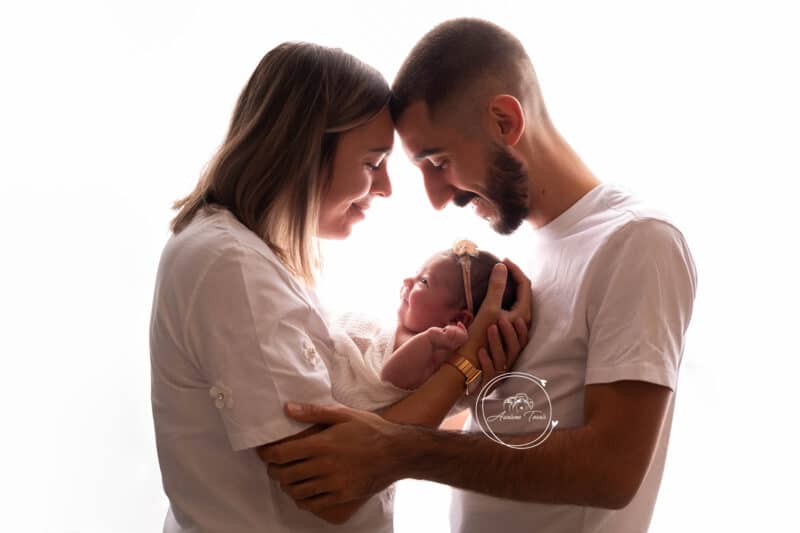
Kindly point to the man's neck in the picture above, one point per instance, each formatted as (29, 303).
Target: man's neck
(557, 178)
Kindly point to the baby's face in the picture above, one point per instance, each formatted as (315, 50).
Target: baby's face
(432, 297)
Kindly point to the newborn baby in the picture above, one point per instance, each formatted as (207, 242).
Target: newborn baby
(436, 306)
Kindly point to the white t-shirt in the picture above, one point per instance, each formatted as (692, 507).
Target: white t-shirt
(234, 336)
(613, 289)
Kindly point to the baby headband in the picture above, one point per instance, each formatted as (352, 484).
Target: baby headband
(465, 250)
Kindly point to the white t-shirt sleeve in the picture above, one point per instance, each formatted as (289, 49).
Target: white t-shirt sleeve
(639, 305)
(257, 342)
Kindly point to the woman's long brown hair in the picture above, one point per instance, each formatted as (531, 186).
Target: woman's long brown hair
(270, 171)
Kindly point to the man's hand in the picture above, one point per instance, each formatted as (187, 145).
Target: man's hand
(353, 459)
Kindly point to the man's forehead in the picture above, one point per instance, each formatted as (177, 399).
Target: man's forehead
(419, 134)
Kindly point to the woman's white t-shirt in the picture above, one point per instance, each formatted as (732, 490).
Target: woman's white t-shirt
(233, 337)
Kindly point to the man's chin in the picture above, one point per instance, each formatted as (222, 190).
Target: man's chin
(503, 226)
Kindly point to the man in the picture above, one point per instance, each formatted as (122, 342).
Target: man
(613, 289)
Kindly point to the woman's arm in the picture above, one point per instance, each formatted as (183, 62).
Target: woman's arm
(428, 405)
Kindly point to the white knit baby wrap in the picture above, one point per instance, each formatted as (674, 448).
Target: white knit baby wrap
(360, 348)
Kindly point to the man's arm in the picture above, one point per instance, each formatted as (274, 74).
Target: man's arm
(599, 464)
(428, 405)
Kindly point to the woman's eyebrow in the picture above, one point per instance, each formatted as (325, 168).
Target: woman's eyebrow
(381, 149)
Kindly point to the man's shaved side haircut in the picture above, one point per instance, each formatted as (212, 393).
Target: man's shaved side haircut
(451, 61)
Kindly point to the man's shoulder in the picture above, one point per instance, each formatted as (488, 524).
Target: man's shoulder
(622, 215)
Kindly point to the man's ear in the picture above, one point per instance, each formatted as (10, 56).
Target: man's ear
(508, 118)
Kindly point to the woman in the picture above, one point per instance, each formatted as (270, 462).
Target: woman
(236, 329)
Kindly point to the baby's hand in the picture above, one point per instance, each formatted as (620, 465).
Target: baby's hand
(450, 337)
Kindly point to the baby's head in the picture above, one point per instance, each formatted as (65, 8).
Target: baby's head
(438, 295)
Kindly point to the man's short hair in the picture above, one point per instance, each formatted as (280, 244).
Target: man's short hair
(453, 57)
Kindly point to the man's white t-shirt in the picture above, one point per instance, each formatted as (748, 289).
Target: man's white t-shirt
(234, 336)
(613, 289)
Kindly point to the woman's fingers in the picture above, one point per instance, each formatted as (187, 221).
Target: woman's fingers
(522, 331)
(489, 311)
(522, 305)
(496, 348)
(487, 367)
(490, 308)
(511, 341)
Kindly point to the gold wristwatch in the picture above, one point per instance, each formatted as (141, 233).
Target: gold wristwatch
(472, 375)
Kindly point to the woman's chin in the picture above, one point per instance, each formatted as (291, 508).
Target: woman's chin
(336, 234)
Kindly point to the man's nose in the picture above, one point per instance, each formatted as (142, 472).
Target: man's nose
(439, 193)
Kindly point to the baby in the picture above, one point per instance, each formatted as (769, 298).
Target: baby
(436, 307)
(372, 366)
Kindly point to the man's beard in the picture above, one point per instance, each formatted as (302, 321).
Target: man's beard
(507, 189)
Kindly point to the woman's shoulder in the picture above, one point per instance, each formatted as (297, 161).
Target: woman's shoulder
(215, 245)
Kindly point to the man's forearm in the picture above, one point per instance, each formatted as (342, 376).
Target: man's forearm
(568, 468)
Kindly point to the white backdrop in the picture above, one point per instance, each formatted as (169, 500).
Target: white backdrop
(109, 110)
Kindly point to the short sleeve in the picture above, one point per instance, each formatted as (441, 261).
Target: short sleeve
(641, 294)
(257, 341)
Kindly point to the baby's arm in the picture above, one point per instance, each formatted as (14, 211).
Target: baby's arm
(418, 358)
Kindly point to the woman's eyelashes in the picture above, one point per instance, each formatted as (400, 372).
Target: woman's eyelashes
(376, 165)
(438, 164)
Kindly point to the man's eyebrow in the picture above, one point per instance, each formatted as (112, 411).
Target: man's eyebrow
(419, 156)
(381, 149)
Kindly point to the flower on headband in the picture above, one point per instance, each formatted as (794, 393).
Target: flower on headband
(467, 247)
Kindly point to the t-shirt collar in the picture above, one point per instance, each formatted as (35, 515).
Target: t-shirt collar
(559, 227)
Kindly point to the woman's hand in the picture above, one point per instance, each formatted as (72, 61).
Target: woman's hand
(505, 333)
(508, 337)
(487, 315)
(521, 313)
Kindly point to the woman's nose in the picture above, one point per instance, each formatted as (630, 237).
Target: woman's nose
(381, 185)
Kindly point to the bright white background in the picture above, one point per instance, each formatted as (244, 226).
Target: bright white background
(108, 112)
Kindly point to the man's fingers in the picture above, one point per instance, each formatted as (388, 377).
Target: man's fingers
(319, 503)
(298, 471)
(289, 451)
(318, 414)
(306, 489)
